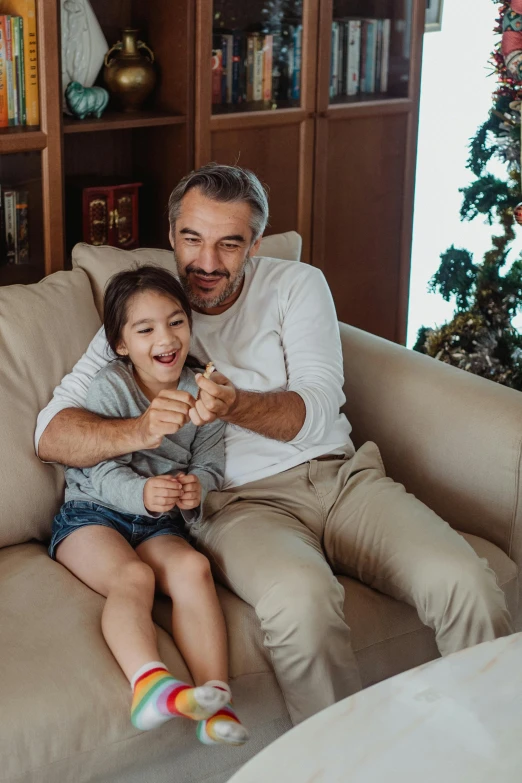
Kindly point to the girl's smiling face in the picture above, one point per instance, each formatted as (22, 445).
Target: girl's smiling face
(156, 338)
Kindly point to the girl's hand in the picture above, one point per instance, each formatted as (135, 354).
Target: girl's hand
(166, 414)
(191, 491)
(161, 493)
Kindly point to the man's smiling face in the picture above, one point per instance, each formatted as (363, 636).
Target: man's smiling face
(212, 242)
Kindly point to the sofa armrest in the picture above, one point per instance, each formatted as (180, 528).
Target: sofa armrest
(452, 438)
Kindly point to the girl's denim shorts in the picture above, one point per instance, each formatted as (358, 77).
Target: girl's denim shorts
(134, 529)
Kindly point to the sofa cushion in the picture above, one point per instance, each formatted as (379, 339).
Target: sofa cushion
(68, 701)
(44, 329)
(101, 262)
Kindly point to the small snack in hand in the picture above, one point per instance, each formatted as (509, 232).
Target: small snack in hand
(209, 369)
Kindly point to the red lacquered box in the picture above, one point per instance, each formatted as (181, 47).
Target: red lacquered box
(110, 215)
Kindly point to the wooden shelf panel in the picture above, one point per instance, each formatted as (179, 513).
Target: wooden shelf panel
(113, 120)
(258, 119)
(368, 108)
(13, 140)
(218, 109)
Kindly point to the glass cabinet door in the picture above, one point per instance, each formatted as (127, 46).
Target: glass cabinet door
(370, 50)
(256, 55)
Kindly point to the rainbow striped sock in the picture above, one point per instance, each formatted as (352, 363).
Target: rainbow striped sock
(223, 728)
(158, 697)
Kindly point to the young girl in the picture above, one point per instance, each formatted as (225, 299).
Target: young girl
(122, 528)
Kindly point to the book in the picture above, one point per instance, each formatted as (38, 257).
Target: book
(10, 225)
(341, 59)
(9, 71)
(385, 56)
(368, 56)
(296, 71)
(22, 71)
(257, 89)
(15, 56)
(224, 62)
(4, 115)
(19, 67)
(250, 55)
(26, 9)
(354, 57)
(217, 75)
(268, 50)
(22, 227)
(238, 69)
(335, 60)
(227, 45)
(378, 54)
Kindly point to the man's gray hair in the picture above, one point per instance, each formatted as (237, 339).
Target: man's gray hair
(225, 184)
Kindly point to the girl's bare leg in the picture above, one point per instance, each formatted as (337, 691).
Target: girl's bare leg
(198, 626)
(102, 559)
(106, 563)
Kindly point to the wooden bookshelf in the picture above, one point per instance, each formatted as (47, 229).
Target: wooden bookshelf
(340, 171)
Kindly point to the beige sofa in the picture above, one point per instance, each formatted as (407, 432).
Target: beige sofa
(453, 439)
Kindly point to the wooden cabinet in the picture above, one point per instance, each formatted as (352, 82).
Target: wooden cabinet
(153, 146)
(339, 168)
(365, 154)
(276, 143)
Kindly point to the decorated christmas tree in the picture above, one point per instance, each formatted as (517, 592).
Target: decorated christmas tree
(481, 337)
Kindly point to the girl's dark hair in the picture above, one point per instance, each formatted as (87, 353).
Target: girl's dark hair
(124, 285)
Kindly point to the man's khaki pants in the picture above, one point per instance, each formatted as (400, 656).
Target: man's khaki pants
(277, 543)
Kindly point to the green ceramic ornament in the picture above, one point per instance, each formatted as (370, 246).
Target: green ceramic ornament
(83, 101)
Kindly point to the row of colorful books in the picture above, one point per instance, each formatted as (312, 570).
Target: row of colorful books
(256, 66)
(19, 102)
(360, 56)
(14, 226)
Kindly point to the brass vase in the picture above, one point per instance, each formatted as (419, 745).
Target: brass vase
(130, 76)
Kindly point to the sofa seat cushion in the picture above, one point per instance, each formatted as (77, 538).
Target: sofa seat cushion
(101, 262)
(68, 702)
(44, 329)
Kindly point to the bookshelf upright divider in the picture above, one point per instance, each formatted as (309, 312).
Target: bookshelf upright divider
(51, 123)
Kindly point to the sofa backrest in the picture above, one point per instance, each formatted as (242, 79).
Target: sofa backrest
(100, 263)
(44, 329)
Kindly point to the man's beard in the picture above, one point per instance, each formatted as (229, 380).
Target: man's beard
(203, 302)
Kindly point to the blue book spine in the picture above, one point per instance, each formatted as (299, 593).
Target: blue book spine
(237, 93)
(296, 73)
(371, 45)
(225, 57)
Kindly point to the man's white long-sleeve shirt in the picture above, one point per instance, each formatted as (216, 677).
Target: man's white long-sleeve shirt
(281, 334)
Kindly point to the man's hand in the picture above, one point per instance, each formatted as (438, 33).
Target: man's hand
(191, 491)
(167, 413)
(161, 493)
(216, 400)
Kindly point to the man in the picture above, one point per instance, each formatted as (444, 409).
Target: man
(298, 503)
